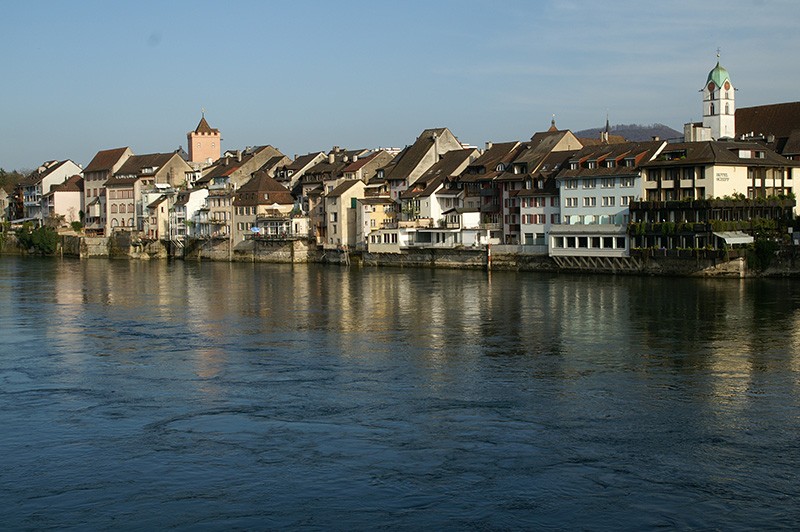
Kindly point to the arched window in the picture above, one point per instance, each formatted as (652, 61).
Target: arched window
(130, 207)
(130, 222)
(727, 109)
(113, 208)
(114, 222)
(712, 109)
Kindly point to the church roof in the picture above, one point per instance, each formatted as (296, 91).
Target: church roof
(718, 75)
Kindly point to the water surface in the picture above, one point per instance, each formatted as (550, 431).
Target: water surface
(156, 394)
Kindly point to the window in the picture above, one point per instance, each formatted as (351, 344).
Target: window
(626, 182)
(589, 183)
(553, 218)
(590, 202)
(607, 182)
(571, 183)
(538, 202)
(591, 165)
(554, 201)
(611, 163)
(570, 202)
(608, 201)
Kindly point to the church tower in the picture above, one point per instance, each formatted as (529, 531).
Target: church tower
(718, 104)
(204, 143)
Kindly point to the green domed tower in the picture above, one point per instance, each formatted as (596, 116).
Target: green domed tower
(719, 107)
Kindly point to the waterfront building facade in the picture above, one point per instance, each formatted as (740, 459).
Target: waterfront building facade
(102, 167)
(39, 184)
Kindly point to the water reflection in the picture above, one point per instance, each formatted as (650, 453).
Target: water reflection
(396, 397)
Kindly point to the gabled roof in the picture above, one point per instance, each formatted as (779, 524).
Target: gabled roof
(227, 165)
(360, 163)
(778, 120)
(718, 152)
(273, 163)
(304, 160)
(450, 165)
(161, 199)
(105, 160)
(262, 189)
(43, 171)
(410, 158)
(72, 184)
(343, 187)
(641, 152)
(485, 166)
(132, 169)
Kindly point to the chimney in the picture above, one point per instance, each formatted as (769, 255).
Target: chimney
(355, 158)
(488, 145)
(331, 158)
(238, 156)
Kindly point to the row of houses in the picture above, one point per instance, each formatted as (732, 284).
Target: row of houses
(554, 193)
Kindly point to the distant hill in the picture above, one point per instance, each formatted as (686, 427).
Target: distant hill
(634, 132)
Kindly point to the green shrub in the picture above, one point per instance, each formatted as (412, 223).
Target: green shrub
(43, 240)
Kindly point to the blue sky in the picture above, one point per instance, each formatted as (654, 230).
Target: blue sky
(306, 75)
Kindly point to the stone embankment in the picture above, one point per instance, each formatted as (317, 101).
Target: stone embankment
(657, 262)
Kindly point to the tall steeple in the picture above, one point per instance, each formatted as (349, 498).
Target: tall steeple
(719, 108)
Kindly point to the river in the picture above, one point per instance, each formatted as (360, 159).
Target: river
(143, 395)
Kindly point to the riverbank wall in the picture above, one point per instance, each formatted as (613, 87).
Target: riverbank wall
(683, 263)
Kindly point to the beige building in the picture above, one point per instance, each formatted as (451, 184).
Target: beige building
(65, 199)
(261, 197)
(103, 166)
(156, 225)
(126, 202)
(717, 169)
(223, 179)
(341, 206)
(414, 160)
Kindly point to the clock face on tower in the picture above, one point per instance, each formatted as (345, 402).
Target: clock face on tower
(711, 86)
(727, 85)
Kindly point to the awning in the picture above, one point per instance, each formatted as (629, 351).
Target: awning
(735, 237)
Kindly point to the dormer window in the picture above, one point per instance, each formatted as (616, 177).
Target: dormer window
(591, 165)
(610, 163)
(500, 167)
(629, 163)
(573, 165)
